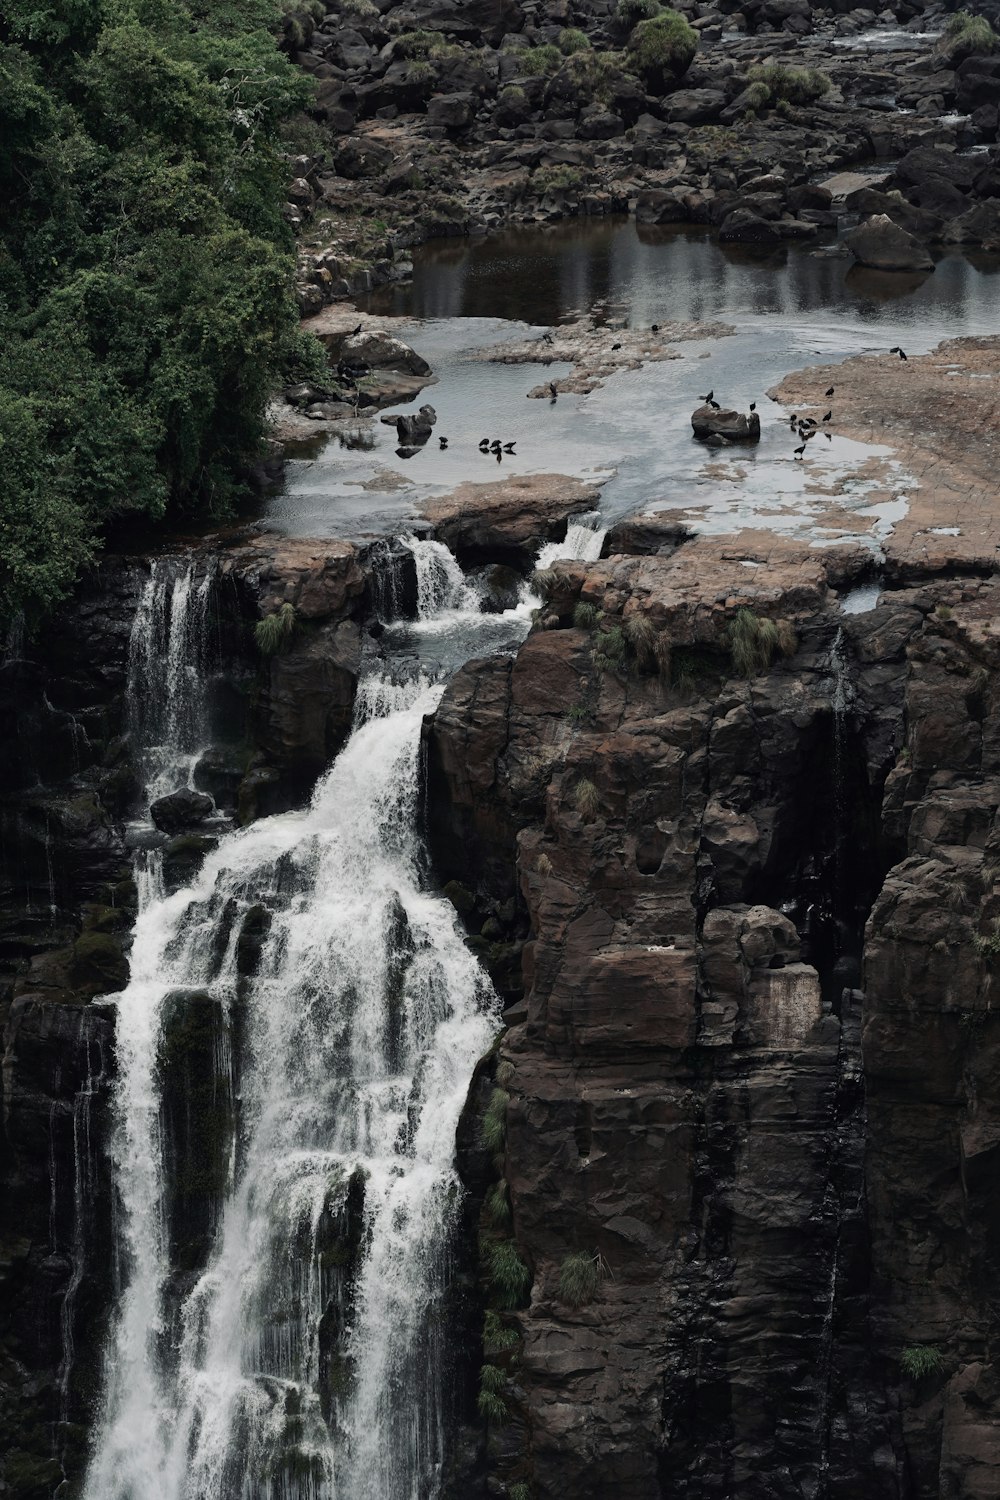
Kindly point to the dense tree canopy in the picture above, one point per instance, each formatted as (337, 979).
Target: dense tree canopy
(145, 268)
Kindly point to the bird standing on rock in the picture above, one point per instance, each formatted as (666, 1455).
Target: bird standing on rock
(357, 330)
(615, 346)
(708, 399)
(654, 328)
(897, 350)
(830, 391)
(553, 389)
(799, 451)
(546, 338)
(753, 406)
(828, 416)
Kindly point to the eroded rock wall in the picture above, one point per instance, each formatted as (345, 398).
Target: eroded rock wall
(775, 1213)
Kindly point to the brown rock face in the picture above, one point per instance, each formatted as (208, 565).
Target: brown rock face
(508, 520)
(778, 1219)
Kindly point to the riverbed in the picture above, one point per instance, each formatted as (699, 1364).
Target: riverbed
(794, 309)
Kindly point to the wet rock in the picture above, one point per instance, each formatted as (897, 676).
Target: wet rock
(184, 808)
(507, 521)
(413, 430)
(382, 351)
(884, 246)
(744, 227)
(732, 426)
(658, 206)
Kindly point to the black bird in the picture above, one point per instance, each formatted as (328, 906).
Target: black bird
(443, 441)
(808, 435)
(357, 330)
(793, 419)
(753, 406)
(615, 346)
(484, 445)
(654, 328)
(830, 391)
(828, 436)
(708, 398)
(714, 405)
(828, 416)
(799, 451)
(546, 338)
(897, 350)
(553, 391)
(508, 447)
(495, 446)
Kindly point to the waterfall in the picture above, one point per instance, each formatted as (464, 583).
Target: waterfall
(441, 584)
(584, 540)
(304, 1359)
(167, 674)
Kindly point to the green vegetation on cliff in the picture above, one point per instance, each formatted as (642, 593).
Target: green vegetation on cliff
(145, 268)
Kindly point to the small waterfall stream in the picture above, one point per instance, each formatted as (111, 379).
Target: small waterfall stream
(305, 1358)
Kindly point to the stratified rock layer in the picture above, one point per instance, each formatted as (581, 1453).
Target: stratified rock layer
(776, 1213)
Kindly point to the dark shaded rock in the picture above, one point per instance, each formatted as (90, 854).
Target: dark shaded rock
(743, 226)
(695, 106)
(657, 206)
(452, 112)
(733, 426)
(884, 246)
(181, 809)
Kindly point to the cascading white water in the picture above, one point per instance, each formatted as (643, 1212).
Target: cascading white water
(167, 674)
(583, 541)
(304, 1363)
(441, 584)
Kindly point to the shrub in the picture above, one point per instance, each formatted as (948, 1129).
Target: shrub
(361, 10)
(412, 44)
(537, 61)
(611, 649)
(579, 713)
(492, 1378)
(630, 12)
(494, 1125)
(966, 34)
(584, 615)
(752, 642)
(505, 1072)
(571, 40)
(756, 97)
(579, 1276)
(920, 1360)
(556, 179)
(510, 1278)
(662, 48)
(273, 631)
(791, 85)
(519, 1491)
(586, 799)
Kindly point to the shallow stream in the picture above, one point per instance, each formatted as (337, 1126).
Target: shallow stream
(789, 311)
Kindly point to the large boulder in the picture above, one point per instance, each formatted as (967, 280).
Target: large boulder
(730, 426)
(744, 227)
(979, 226)
(884, 246)
(184, 808)
(452, 112)
(660, 206)
(414, 429)
(694, 106)
(381, 351)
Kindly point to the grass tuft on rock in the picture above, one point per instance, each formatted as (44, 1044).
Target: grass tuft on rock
(494, 1125)
(787, 85)
(662, 48)
(586, 799)
(537, 61)
(753, 640)
(274, 631)
(584, 615)
(497, 1337)
(631, 12)
(579, 1278)
(571, 40)
(920, 1360)
(510, 1279)
(966, 34)
(498, 1205)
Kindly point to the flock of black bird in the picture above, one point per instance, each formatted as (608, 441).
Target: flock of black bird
(806, 427)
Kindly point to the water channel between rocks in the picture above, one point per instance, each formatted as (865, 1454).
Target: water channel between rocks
(794, 310)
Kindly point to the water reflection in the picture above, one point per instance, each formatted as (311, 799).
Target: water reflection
(660, 274)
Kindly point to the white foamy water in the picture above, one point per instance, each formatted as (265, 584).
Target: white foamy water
(304, 1361)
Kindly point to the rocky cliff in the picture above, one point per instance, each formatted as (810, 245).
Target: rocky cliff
(746, 1102)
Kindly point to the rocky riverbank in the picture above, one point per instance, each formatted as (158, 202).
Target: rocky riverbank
(438, 120)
